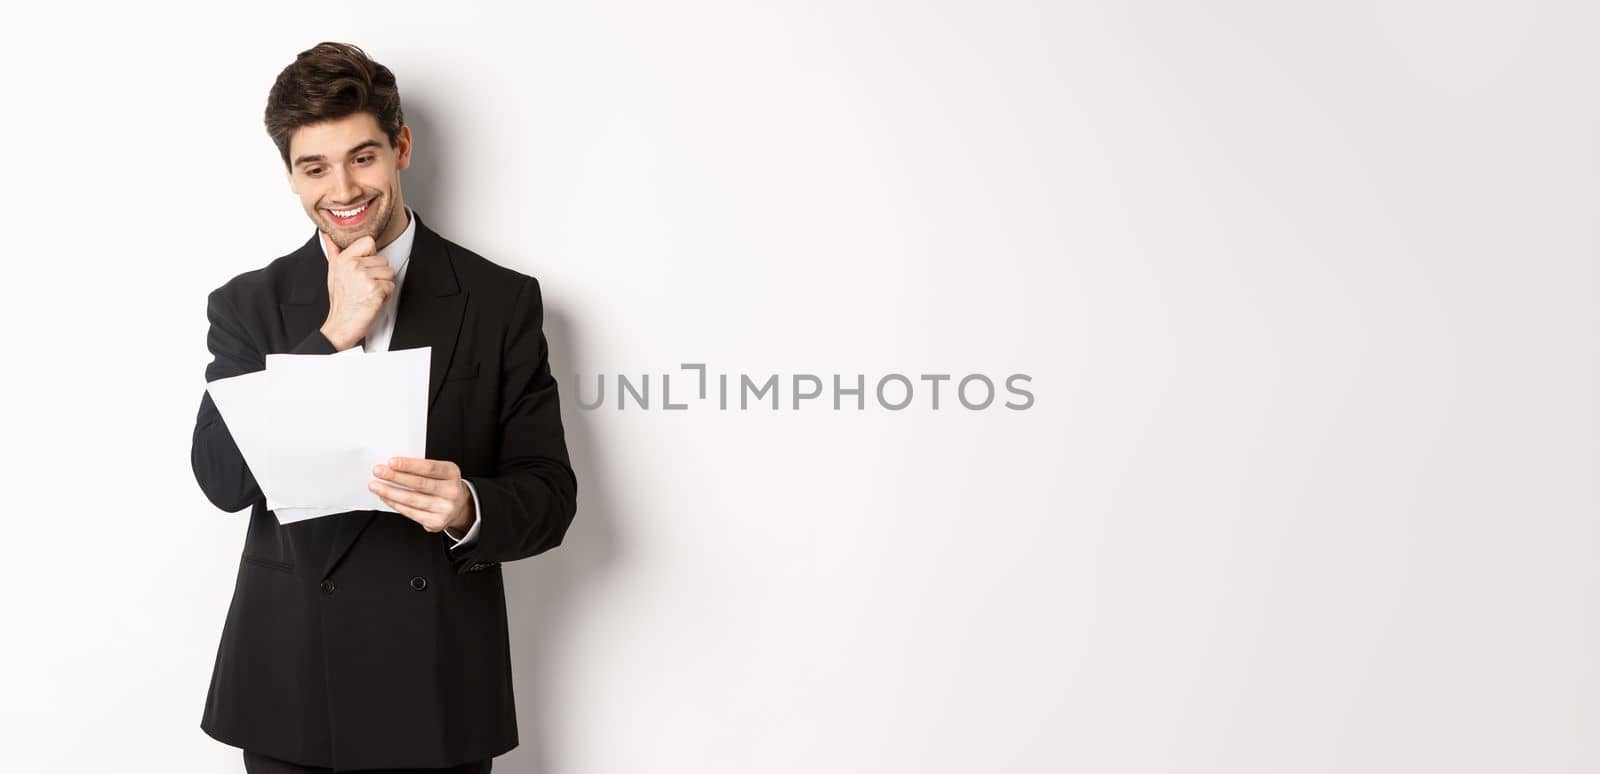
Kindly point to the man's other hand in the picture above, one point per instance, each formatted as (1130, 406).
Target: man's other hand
(437, 497)
(359, 280)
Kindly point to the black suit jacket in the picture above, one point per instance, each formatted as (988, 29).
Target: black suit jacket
(361, 640)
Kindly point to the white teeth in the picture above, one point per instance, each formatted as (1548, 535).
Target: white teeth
(349, 213)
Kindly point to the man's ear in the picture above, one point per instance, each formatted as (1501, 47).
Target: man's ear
(402, 145)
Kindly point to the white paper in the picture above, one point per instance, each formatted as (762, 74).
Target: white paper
(312, 426)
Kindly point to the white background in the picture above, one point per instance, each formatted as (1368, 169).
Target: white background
(1307, 292)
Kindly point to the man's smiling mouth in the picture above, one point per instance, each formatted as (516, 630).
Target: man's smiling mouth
(350, 216)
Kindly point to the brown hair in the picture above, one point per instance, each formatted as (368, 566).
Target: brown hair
(330, 81)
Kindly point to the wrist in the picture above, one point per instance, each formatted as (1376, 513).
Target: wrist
(339, 341)
(468, 515)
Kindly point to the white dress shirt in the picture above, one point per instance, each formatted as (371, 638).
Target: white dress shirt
(398, 253)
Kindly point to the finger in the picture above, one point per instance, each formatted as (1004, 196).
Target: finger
(333, 249)
(441, 469)
(363, 246)
(418, 500)
(382, 289)
(382, 271)
(432, 486)
(422, 518)
(371, 261)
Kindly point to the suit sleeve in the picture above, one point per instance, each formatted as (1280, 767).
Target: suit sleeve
(532, 497)
(218, 466)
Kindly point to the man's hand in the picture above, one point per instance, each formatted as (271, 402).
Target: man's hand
(440, 498)
(359, 280)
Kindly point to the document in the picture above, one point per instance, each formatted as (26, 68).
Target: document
(311, 427)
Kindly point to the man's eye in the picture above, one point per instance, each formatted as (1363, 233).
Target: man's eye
(313, 172)
(364, 159)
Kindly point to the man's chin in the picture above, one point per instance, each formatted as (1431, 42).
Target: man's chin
(346, 237)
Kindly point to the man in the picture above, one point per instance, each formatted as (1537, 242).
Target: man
(370, 639)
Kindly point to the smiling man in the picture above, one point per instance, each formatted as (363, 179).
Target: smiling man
(369, 639)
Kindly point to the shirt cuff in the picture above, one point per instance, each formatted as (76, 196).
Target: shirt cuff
(472, 532)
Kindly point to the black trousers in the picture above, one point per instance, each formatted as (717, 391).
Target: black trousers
(256, 763)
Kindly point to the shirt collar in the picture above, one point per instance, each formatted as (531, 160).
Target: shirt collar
(396, 252)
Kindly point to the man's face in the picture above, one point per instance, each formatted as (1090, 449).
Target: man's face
(348, 166)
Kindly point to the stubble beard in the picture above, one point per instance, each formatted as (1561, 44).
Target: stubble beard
(375, 225)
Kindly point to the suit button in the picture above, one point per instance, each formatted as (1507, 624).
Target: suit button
(327, 587)
(419, 583)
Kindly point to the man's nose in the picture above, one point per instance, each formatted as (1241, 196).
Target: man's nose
(345, 188)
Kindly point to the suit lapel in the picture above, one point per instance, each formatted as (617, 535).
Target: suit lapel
(307, 305)
(431, 308)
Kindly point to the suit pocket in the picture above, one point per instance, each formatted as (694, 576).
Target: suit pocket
(271, 564)
(265, 541)
(462, 371)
